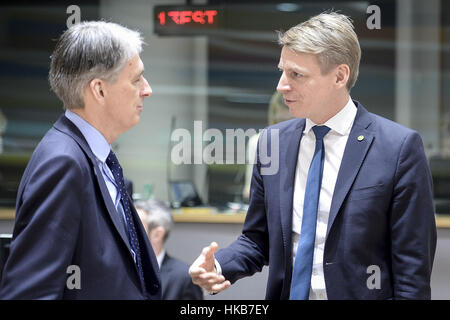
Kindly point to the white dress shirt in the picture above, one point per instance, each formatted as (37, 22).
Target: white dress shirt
(334, 143)
(160, 257)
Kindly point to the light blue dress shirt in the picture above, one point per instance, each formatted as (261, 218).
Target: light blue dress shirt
(100, 148)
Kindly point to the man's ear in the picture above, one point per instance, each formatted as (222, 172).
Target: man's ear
(342, 73)
(97, 89)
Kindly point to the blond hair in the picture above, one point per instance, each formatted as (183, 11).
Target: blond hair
(330, 36)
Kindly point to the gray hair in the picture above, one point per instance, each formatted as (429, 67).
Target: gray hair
(158, 215)
(89, 50)
(331, 37)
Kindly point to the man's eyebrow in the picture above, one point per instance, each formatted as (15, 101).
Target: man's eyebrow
(140, 73)
(295, 69)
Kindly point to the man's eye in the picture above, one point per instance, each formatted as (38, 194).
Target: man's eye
(296, 75)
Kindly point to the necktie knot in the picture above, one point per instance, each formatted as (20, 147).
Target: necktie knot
(320, 131)
(112, 162)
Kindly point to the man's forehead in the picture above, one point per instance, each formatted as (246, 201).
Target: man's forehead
(140, 63)
(287, 56)
(136, 61)
(141, 66)
(135, 65)
(296, 60)
(289, 63)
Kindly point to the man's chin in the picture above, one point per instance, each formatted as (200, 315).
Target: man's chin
(133, 123)
(297, 113)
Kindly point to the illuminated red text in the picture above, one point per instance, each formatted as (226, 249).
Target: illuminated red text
(183, 17)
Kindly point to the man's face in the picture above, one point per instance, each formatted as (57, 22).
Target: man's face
(125, 96)
(307, 92)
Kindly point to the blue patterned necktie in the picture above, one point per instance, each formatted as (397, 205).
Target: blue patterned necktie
(301, 274)
(116, 169)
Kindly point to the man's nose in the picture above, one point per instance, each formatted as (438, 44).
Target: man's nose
(146, 90)
(283, 84)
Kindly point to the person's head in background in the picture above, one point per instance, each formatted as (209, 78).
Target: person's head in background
(319, 63)
(278, 111)
(157, 220)
(97, 73)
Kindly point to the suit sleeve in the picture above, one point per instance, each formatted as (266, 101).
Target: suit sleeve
(413, 227)
(250, 252)
(45, 232)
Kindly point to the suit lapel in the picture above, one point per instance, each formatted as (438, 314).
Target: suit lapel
(113, 213)
(358, 144)
(66, 126)
(288, 164)
(144, 240)
(166, 263)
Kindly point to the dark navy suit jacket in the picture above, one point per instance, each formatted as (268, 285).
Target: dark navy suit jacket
(176, 281)
(65, 216)
(381, 214)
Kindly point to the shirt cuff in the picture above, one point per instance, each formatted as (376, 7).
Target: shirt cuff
(218, 271)
(218, 267)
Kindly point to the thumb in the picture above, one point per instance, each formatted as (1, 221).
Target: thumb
(210, 250)
(207, 257)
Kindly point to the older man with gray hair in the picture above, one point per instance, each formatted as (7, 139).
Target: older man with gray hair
(76, 233)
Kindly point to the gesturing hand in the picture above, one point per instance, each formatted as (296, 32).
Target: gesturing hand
(203, 271)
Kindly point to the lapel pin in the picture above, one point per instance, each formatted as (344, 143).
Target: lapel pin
(360, 138)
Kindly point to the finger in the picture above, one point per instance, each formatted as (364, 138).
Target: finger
(208, 276)
(207, 280)
(206, 284)
(221, 286)
(212, 248)
(211, 274)
(208, 252)
(214, 287)
(195, 271)
(213, 281)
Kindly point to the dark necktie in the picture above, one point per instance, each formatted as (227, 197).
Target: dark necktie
(116, 170)
(301, 274)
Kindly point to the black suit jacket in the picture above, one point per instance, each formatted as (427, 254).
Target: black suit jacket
(176, 281)
(64, 217)
(381, 214)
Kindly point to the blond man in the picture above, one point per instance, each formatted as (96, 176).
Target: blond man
(349, 214)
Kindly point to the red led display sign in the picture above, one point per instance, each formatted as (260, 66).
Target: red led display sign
(186, 16)
(180, 20)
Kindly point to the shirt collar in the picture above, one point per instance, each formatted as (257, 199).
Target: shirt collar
(160, 257)
(341, 122)
(96, 141)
